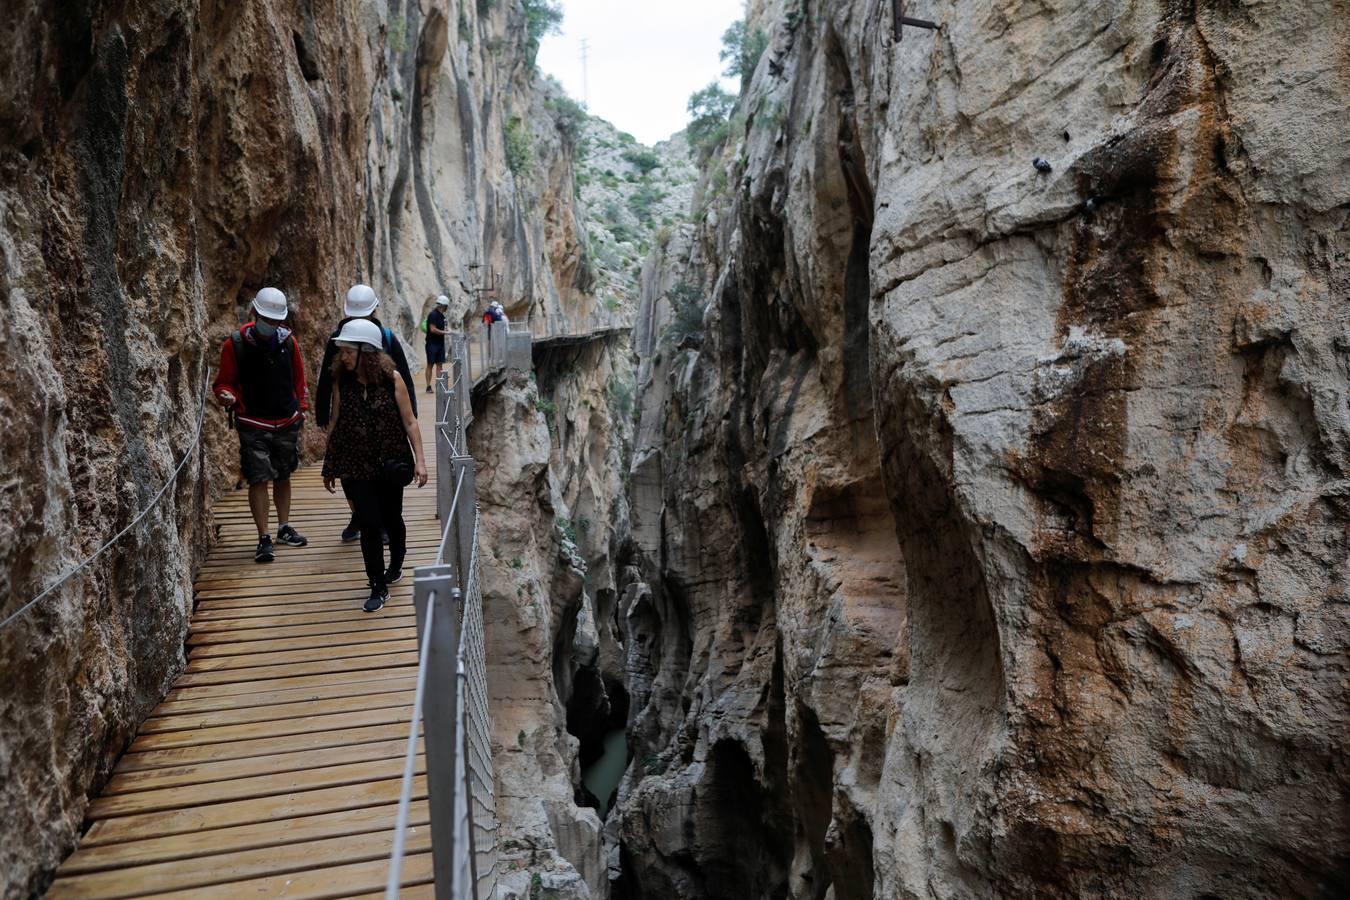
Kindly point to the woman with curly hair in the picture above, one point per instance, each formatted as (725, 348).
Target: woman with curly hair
(374, 449)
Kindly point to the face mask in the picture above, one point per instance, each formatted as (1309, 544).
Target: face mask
(264, 330)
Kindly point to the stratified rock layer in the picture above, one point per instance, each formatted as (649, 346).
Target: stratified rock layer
(990, 525)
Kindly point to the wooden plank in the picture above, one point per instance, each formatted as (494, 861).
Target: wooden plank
(335, 596)
(270, 784)
(190, 845)
(354, 671)
(159, 724)
(311, 608)
(226, 868)
(211, 663)
(247, 812)
(229, 769)
(223, 631)
(189, 705)
(290, 743)
(264, 646)
(286, 670)
(229, 734)
(320, 884)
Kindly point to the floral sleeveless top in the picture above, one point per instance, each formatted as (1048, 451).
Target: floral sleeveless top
(368, 431)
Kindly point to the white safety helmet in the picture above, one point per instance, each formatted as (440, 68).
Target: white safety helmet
(360, 332)
(442, 300)
(361, 301)
(271, 303)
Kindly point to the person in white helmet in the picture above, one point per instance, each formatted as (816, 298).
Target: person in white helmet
(361, 303)
(262, 382)
(436, 331)
(374, 449)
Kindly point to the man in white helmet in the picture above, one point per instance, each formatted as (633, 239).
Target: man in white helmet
(436, 330)
(262, 382)
(361, 303)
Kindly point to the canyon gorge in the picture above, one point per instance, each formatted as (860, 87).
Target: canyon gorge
(953, 503)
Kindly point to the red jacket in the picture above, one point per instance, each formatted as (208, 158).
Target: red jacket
(227, 386)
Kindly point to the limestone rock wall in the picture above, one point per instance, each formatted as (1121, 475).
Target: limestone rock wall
(987, 524)
(160, 160)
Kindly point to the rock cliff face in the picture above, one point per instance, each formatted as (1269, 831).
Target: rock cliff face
(988, 523)
(159, 162)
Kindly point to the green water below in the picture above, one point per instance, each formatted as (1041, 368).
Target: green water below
(602, 777)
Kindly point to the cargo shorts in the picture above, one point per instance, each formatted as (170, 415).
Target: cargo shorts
(268, 455)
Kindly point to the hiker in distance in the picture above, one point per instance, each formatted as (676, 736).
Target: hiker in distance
(436, 338)
(374, 449)
(261, 381)
(361, 304)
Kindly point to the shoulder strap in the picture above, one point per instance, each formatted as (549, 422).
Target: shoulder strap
(237, 339)
(388, 341)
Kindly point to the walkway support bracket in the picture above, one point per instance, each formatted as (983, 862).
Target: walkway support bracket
(436, 585)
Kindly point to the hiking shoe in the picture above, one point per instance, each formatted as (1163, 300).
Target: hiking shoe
(428, 389)
(351, 533)
(292, 538)
(393, 575)
(264, 552)
(378, 596)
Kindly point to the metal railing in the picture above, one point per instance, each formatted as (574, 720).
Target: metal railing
(451, 701)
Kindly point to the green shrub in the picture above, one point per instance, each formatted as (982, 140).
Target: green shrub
(569, 116)
(519, 148)
(642, 159)
(642, 201)
(619, 393)
(541, 17)
(710, 108)
(626, 138)
(398, 33)
(566, 527)
(686, 315)
(741, 50)
(545, 405)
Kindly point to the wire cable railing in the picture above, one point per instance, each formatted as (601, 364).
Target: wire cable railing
(159, 495)
(409, 765)
(451, 704)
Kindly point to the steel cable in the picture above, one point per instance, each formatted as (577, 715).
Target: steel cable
(187, 454)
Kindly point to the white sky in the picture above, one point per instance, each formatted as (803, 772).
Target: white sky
(646, 58)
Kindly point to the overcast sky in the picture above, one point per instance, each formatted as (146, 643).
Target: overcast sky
(646, 58)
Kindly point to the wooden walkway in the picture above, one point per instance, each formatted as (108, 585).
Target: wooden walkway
(272, 768)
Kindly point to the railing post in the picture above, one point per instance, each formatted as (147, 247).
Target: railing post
(445, 481)
(436, 584)
(465, 512)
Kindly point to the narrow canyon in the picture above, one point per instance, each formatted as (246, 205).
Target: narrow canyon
(950, 498)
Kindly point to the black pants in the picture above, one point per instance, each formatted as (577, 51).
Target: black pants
(378, 506)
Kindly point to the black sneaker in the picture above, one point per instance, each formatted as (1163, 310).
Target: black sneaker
(264, 552)
(428, 389)
(351, 533)
(393, 575)
(375, 603)
(289, 536)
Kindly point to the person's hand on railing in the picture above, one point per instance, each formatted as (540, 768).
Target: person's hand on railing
(420, 473)
(226, 400)
(330, 483)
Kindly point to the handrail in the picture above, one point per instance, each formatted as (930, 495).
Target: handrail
(409, 765)
(449, 519)
(187, 454)
(453, 714)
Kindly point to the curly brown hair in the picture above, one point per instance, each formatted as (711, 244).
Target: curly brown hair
(371, 365)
